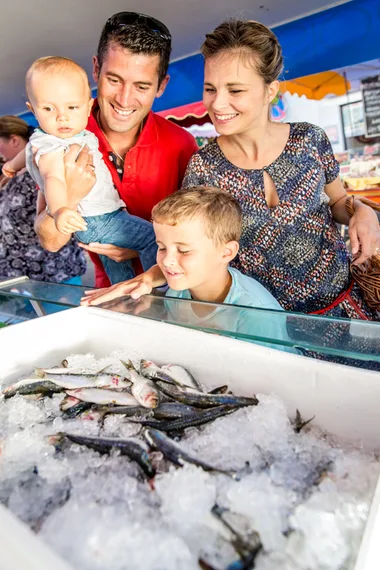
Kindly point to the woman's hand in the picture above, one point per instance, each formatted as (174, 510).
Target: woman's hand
(114, 252)
(363, 227)
(136, 287)
(364, 232)
(8, 169)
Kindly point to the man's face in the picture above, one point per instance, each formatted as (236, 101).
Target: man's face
(127, 87)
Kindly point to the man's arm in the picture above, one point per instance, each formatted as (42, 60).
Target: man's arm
(80, 178)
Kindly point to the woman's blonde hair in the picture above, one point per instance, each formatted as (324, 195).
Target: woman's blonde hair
(251, 38)
(10, 125)
(220, 212)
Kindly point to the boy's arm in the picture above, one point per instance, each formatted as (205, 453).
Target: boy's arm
(17, 163)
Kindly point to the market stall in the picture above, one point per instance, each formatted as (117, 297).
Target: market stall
(343, 400)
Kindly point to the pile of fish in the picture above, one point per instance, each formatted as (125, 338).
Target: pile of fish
(171, 421)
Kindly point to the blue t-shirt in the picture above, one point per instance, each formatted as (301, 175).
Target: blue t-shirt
(244, 292)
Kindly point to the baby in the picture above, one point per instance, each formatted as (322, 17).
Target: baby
(60, 98)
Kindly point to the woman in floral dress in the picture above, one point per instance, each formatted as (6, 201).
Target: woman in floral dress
(20, 251)
(285, 178)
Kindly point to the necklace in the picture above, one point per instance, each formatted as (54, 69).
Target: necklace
(105, 136)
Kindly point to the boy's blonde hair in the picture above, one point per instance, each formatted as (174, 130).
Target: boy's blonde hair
(219, 211)
(54, 64)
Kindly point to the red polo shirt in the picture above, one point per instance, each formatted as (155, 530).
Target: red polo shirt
(153, 169)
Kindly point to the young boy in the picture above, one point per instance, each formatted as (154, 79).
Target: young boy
(197, 233)
(60, 97)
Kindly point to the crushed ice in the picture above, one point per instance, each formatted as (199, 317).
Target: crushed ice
(306, 495)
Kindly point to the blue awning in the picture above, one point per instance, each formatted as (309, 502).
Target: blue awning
(337, 37)
(334, 38)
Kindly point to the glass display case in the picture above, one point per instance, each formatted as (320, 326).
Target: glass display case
(345, 341)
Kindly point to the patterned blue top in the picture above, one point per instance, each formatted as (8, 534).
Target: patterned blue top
(20, 250)
(294, 249)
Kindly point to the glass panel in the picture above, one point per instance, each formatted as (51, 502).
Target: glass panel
(57, 293)
(337, 339)
(340, 340)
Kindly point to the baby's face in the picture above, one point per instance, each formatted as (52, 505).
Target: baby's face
(61, 102)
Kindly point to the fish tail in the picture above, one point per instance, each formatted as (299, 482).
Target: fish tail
(128, 365)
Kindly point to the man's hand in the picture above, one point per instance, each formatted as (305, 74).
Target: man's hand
(112, 251)
(79, 174)
(68, 221)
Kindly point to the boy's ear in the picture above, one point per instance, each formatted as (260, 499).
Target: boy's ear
(90, 106)
(30, 106)
(230, 251)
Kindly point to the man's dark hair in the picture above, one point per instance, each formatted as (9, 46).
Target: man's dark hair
(138, 39)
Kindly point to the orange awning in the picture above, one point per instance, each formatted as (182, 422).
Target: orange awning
(318, 85)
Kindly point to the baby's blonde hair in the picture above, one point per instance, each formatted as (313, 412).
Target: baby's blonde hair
(54, 64)
(219, 212)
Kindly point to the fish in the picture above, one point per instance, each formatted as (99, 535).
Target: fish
(72, 407)
(103, 396)
(143, 389)
(128, 411)
(176, 455)
(170, 373)
(29, 386)
(148, 368)
(199, 418)
(132, 448)
(173, 411)
(204, 400)
(246, 541)
(60, 370)
(89, 381)
(182, 376)
(299, 423)
(220, 390)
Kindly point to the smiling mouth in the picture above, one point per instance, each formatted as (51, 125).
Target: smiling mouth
(121, 112)
(172, 273)
(225, 117)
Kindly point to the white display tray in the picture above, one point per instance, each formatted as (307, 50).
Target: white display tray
(344, 400)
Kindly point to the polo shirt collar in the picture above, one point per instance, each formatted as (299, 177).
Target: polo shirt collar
(147, 137)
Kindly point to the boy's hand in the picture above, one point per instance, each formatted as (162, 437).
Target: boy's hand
(68, 221)
(136, 287)
(8, 171)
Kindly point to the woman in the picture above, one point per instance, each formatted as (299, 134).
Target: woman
(285, 178)
(20, 251)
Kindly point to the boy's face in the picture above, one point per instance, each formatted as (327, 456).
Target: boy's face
(188, 258)
(60, 102)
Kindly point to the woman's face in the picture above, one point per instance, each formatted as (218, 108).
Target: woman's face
(235, 95)
(9, 148)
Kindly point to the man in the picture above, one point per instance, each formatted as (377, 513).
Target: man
(146, 154)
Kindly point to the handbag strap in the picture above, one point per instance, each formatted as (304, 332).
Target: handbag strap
(350, 205)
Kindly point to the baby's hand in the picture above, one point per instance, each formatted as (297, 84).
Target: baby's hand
(8, 171)
(68, 221)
